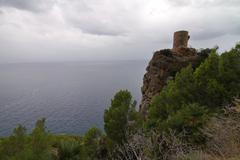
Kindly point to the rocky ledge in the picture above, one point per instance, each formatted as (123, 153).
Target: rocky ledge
(163, 67)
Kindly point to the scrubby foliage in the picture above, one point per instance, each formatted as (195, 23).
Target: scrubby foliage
(27, 147)
(187, 102)
(94, 145)
(223, 141)
(195, 117)
(69, 150)
(119, 115)
(91, 142)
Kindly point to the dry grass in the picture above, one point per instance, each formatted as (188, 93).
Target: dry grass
(152, 146)
(223, 142)
(224, 136)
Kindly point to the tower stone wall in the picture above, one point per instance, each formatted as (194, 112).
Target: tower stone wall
(180, 40)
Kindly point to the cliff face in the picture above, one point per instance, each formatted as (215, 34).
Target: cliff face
(163, 67)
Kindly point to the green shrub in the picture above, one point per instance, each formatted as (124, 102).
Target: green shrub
(27, 147)
(197, 93)
(15, 144)
(117, 117)
(40, 138)
(91, 142)
(69, 150)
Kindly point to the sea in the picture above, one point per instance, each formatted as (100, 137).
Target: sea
(72, 96)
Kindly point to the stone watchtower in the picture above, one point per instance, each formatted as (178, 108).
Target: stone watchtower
(180, 40)
(164, 65)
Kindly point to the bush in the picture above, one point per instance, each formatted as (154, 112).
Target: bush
(15, 143)
(69, 150)
(222, 133)
(118, 116)
(197, 93)
(27, 147)
(91, 142)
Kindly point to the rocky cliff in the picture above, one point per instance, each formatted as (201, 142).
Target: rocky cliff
(163, 67)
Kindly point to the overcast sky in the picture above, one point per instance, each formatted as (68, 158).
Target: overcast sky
(76, 30)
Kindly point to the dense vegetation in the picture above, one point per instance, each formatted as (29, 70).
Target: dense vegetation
(194, 113)
(187, 102)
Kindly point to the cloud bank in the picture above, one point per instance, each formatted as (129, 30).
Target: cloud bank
(75, 30)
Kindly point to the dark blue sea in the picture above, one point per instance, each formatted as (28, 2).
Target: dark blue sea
(72, 96)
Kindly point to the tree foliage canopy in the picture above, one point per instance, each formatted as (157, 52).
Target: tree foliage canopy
(197, 93)
(116, 118)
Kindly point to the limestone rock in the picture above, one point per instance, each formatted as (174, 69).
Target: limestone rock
(163, 67)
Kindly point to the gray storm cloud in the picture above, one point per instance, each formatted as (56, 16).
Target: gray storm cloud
(59, 30)
(31, 5)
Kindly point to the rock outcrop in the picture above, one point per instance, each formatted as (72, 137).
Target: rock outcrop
(163, 67)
